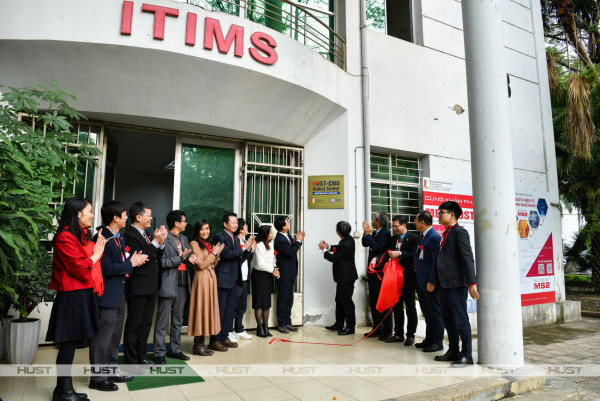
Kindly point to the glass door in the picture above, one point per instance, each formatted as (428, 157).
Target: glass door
(206, 185)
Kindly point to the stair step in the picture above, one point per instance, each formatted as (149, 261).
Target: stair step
(494, 388)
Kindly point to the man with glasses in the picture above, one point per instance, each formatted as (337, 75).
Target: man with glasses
(402, 246)
(456, 279)
(376, 238)
(177, 271)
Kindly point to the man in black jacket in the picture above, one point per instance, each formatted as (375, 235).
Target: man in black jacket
(142, 284)
(228, 273)
(344, 275)
(377, 241)
(287, 248)
(456, 278)
(402, 246)
(116, 265)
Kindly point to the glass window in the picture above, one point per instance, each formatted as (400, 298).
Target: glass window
(395, 186)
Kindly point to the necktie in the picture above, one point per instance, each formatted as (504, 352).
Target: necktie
(146, 238)
(289, 237)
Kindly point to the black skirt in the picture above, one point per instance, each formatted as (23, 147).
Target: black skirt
(262, 285)
(74, 316)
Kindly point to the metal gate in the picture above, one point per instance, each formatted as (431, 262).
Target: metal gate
(272, 187)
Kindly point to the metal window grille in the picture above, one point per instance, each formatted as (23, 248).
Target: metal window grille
(84, 133)
(272, 187)
(395, 186)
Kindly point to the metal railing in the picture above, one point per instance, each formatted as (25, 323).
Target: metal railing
(298, 21)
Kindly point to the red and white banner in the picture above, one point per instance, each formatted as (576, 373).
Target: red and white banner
(535, 233)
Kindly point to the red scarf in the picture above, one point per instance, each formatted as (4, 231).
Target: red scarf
(207, 245)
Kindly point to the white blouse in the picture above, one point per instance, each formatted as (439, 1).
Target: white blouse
(264, 259)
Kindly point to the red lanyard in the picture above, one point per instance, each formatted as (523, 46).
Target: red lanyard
(118, 243)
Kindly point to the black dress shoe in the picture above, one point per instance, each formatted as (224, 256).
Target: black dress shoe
(106, 385)
(333, 327)
(422, 344)
(392, 339)
(462, 362)
(345, 332)
(409, 341)
(372, 334)
(433, 348)
(144, 362)
(160, 360)
(291, 328)
(120, 379)
(282, 329)
(178, 355)
(447, 357)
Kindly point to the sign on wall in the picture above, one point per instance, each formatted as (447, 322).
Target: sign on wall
(326, 192)
(535, 248)
(536, 261)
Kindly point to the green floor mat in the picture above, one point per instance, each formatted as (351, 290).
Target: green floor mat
(174, 373)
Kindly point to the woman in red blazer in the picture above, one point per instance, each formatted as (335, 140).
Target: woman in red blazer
(74, 317)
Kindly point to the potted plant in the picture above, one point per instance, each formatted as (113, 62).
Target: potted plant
(7, 294)
(31, 288)
(35, 166)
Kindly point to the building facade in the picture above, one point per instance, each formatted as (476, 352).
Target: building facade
(211, 106)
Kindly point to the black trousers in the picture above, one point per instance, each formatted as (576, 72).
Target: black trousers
(385, 330)
(344, 306)
(104, 346)
(453, 302)
(137, 327)
(407, 298)
(227, 300)
(430, 306)
(285, 301)
(240, 306)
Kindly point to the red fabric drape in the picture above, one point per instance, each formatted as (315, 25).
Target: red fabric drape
(391, 285)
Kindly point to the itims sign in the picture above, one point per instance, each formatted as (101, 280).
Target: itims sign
(261, 49)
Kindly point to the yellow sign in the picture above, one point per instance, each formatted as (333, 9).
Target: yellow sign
(326, 192)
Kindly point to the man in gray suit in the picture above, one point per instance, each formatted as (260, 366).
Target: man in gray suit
(177, 276)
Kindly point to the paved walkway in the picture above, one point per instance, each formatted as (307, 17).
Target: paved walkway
(573, 343)
(576, 343)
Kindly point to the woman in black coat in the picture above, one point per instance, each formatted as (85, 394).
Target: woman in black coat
(344, 275)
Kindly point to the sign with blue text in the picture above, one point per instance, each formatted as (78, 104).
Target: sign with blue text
(326, 192)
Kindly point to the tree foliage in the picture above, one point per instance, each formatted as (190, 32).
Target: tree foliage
(573, 55)
(35, 166)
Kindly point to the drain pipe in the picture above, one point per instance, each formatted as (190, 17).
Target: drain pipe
(365, 109)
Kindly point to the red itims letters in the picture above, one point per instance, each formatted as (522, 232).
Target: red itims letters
(159, 18)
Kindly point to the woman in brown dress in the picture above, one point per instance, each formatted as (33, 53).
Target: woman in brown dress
(204, 303)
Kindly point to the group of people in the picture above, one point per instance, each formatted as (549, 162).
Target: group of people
(98, 278)
(439, 268)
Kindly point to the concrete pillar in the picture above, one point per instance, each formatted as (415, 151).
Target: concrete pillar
(499, 325)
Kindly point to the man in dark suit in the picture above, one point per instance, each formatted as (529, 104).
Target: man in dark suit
(344, 275)
(116, 265)
(377, 238)
(456, 278)
(177, 270)
(287, 262)
(228, 273)
(142, 284)
(402, 246)
(425, 255)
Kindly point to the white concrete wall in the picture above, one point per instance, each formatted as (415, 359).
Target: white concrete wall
(413, 89)
(137, 79)
(303, 99)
